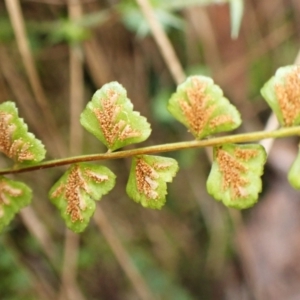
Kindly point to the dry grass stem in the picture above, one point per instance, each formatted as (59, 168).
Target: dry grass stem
(17, 20)
(124, 259)
(163, 42)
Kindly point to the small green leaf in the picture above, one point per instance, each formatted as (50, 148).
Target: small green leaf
(235, 174)
(148, 177)
(179, 4)
(199, 104)
(15, 141)
(282, 93)
(294, 173)
(69, 31)
(135, 21)
(14, 195)
(110, 117)
(74, 194)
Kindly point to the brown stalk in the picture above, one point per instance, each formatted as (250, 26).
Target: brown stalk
(69, 285)
(17, 20)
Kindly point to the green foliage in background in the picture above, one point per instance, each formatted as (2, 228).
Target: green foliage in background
(14, 279)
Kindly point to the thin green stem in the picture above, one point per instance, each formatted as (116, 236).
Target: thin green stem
(237, 138)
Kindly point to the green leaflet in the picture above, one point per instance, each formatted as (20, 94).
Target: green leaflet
(235, 174)
(15, 141)
(74, 194)
(14, 195)
(294, 173)
(134, 20)
(282, 93)
(148, 177)
(110, 117)
(199, 104)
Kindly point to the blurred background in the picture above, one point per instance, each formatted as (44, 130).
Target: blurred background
(54, 54)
